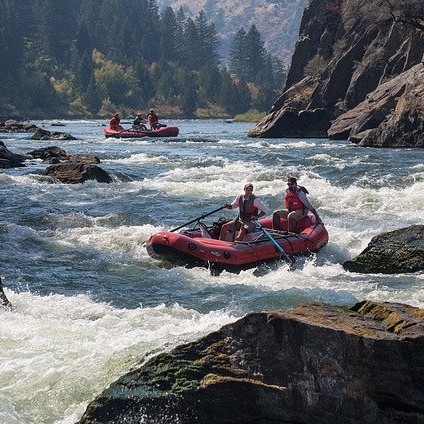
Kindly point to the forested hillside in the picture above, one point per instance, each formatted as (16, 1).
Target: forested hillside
(277, 20)
(88, 58)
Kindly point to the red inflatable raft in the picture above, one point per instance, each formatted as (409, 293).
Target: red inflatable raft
(165, 131)
(200, 246)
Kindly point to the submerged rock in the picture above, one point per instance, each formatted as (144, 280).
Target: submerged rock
(4, 301)
(314, 364)
(13, 126)
(55, 154)
(395, 252)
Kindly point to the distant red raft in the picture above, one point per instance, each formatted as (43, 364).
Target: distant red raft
(200, 246)
(165, 131)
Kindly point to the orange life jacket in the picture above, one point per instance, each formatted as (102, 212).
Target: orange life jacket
(114, 122)
(292, 201)
(152, 118)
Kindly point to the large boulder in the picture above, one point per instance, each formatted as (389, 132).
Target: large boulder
(77, 172)
(314, 364)
(394, 252)
(42, 134)
(70, 168)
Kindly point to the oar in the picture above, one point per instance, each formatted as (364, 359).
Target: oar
(287, 257)
(197, 219)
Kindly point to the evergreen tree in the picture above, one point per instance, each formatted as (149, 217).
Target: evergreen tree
(279, 73)
(191, 46)
(181, 18)
(11, 40)
(168, 43)
(147, 88)
(209, 82)
(243, 98)
(265, 97)
(40, 93)
(249, 61)
(151, 39)
(166, 85)
(256, 52)
(83, 70)
(247, 54)
(188, 96)
(92, 96)
(208, 41)
(200, 43)
(89, 16)
(56, 28)
(227, 92)
(265, 75)
(83, 41)
(238, 59)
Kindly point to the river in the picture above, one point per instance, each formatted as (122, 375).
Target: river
(90, 304)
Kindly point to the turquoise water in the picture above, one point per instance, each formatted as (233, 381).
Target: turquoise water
(89, 303)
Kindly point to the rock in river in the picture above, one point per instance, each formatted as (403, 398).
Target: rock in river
(315, 364)
(394, 252)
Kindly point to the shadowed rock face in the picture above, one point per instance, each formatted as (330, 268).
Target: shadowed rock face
(313, 364)
(392, 253)
(314, 124)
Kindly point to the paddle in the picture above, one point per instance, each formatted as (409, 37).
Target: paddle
(287, 257)
(197, 219)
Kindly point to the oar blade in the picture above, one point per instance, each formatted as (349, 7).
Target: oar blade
(287, 258)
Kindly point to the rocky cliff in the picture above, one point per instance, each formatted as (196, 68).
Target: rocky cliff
(345, 52)
(314, 364)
